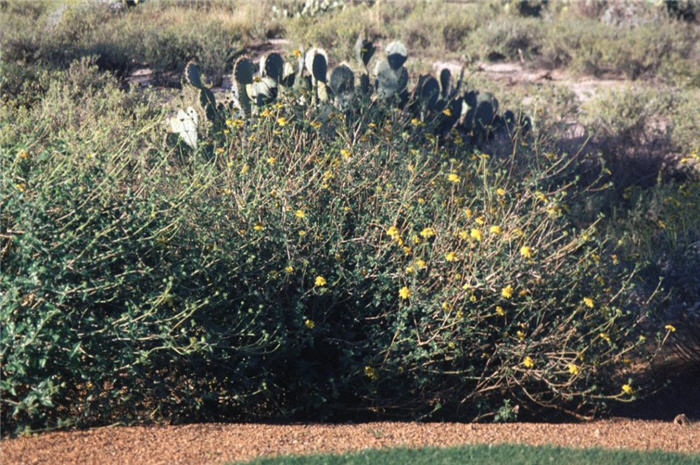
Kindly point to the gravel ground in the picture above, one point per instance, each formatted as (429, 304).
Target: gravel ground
(201, 444)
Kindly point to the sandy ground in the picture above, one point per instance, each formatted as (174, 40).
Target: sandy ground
(204, 444)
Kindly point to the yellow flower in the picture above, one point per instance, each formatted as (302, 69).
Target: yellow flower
(520, 334)
(320, 281)
(370, 372)
(393, 232)
(218, 150)
(573, 369)
(404, 292)
(447, 112)
(309, 324)
(20, 187)
(451, 256)
(302, 233)
(472, 298)
(500, 191)
(427, 233)
(540, 196)
(479, 220)
(296, 52)
(468, 212)
(271, 160)
(406, 250)
(409, 269)
(588, 302)
(475, 234)
(527, 362)
(459, 314)
(23, 154)
(345, 153)
(316, 124)
(244, 169)
(300, 214)
(670, 328)
(416, 122)
(463, 235)
(282, 121)
(500, 311)
(420, 264)
(507, 292)
(627, 389)
(605, 337)
(288, 269)
(258, 227)
(495, 230)
(526, 251)
(453, 177)
(446, 306)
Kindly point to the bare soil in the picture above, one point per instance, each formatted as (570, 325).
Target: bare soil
(204, 444)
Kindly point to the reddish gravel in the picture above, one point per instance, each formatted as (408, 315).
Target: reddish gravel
(201, 444)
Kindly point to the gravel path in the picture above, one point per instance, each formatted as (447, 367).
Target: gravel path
(204, 444)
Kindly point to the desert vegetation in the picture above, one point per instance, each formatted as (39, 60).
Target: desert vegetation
(353, 235)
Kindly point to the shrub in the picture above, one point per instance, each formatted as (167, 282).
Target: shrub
(362, 270)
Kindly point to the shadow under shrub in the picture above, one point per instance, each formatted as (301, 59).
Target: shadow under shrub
(350, 268)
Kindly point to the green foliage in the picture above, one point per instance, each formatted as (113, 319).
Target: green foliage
(370, 271)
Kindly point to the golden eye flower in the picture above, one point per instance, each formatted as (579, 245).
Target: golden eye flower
(528, 362)
(468, 212)
(320, 281)
(447, 112)
(409, 269)
(316, 124)
(463, 235)
(500, 311)
(288, 269)
(296, 52)
(370, 372)
(520, 334)
(605, 337)
(404, 293)
(526, 251)
(393, 232)
(627, 389)
(670, 328)
(309, 324)
(420, 264)
(427, 233)
(258, 227)
(588, 302)
(495, 230)
(573, 369)
(271, 160)
(500, 191)
(345, 153)
(416, 122)
(453, 178)
(300, 214)
(244, 169)
(451, 256)
(479, 220)
(507, 292)
(282, 121)
(475, 234)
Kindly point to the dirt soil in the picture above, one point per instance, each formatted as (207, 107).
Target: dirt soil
(204, 444)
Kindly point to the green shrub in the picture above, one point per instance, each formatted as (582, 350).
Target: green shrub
(361, 271)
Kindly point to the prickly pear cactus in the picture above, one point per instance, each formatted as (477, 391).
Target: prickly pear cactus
(436, 102)
(243, 71)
